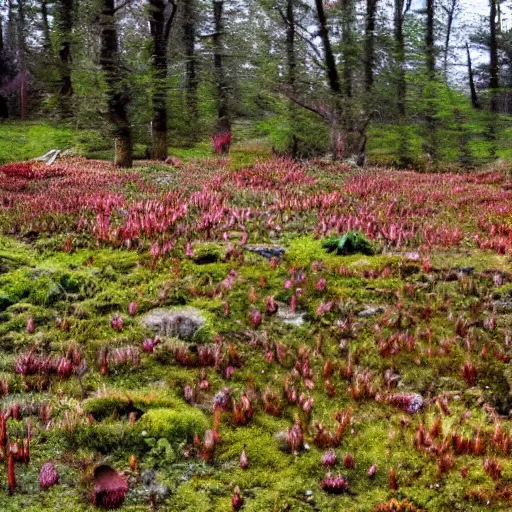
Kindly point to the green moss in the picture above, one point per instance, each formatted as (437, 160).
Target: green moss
(207, 253)
(118, 402)
(175, 425)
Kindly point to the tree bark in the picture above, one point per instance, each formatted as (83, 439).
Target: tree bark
(430, 55)
(159, 64)
(117, 95)
(65, 31)
(191, 78)
(21, 32)
(4, 109)
(330, 61)
(347, 134)
(401, 8)
(369, 44)
(47, 42)
(347, 44)
(472, 88)
(450, 13)
(431, 143)
(223, 117)
(291, 61)
(494, 81)
(400, 11)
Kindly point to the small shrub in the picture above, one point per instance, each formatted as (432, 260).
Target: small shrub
(351, 242)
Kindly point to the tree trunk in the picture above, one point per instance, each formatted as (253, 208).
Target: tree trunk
(117, 94)
(431, 143)
(472, 88)
(4, 109)
(347, 43)
(494, 81)
(400, 55)
(291, 61)
(159, 64)
(65, 30)
(347, 135)
(22, 56)
(47, 42)
(430, 55)
(191, 78)
(223, 119)
(401, 8)
(330, 61)
(369, 44)
(450, 13)
(347, 142)
(22, 35)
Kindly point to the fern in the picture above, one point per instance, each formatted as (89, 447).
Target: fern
(352, 242)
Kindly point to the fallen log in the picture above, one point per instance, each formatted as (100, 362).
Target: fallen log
(49, 157)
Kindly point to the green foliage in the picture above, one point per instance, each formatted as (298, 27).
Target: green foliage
(175, 425)
(161, 454)
(351, 242)
(207, 253)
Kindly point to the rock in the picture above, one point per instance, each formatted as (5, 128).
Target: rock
(287, 316)
(181, 323)
(281, 439)
(502, 306)
(160, 492)
(371, 311)
(463, 271)
(148, 477)
(267, 251)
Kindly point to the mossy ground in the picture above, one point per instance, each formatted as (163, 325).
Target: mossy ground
(90, 421)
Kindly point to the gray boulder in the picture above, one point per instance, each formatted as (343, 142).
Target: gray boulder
(180, 323)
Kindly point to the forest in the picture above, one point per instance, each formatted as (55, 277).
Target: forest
(255, 255)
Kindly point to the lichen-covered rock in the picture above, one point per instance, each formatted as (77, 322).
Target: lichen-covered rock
(371, 311)
(287, 316)
(267, 251)
(181, 323)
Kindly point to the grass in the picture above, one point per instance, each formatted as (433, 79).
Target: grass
(25, 140)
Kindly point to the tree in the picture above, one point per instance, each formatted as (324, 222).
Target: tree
(4, 108)
(369, 46)
(347, 131)
(64, 36)
(431, 142)
(451, 9)
(45, 24)
(401, 9)
(118, 95)
(191, 75)
(494, 81)
(161, 18)
(474, 97)
(223, 125)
